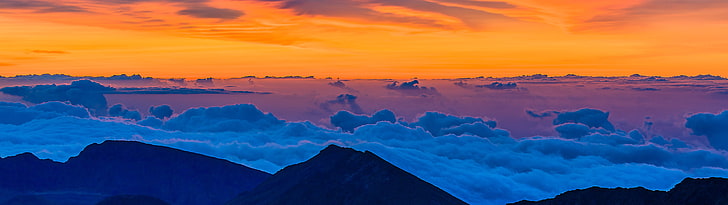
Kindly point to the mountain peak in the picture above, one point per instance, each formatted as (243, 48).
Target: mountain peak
(23, 156)
(345, 176)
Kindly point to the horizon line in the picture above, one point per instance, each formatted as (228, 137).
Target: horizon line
(124, 76)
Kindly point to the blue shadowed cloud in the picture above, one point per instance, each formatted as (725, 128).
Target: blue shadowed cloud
(466, 156)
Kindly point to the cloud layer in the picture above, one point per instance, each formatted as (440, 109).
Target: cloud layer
(466, 156)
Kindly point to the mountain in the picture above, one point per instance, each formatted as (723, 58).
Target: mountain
(708, 191)
(344, 176)
(126, 168)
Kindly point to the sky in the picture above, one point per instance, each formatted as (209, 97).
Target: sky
(363, 38)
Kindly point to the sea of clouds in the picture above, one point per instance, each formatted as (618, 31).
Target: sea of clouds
(468, 157)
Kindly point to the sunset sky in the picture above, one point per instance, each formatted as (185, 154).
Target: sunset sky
(363, 38)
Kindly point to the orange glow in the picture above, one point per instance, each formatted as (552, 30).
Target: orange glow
(366, 38)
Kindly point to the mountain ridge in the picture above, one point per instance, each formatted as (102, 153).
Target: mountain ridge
(344, 176)
(128, 167)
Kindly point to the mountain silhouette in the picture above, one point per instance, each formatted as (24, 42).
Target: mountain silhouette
(708, 191)
(126, 168)
(344, 176)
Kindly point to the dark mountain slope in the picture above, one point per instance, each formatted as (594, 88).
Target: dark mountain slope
(345, 176)
(709, 191)
(132, 168)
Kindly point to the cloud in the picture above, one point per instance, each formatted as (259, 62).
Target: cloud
(646, 89)
(591, 117)
(118, 110)
(342, 85)
(477, 169)
(649, 9)
(17, 113)
(435, 122)
(205, 82)
(199, 11)
(499, 86)
(412, 88)
(698, 77)
(185, 91)
(68, 77)
(348, 121)
(151, 122)
(484, 4)
(458, 9)
(49, 52)
(236, 118)
(344, 101)
(125, 77)
(713, 126)
(543, 114)
(82, 92)
(338, 84)
(572, 130)
(161, 112)
(39, 6)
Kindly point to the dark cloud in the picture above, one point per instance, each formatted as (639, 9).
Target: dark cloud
(342, 85)
(200, 11)
(348, 121)
(713, 126)
(412, 88)
(698, 77)
(39, 6)
(161, 112)
(343, 101)
(205, 82)
(68, 77)
(492, 86)
(125, 77)
(646, 89)
(185, 91)
(499, 86)
(338, 84)
(543, 114)
(591, 117)
(118, 110)
(88, 93)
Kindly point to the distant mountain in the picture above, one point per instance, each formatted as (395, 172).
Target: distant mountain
(126, 168)
(709, 191)
(344, 176)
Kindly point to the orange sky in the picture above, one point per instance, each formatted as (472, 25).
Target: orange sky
(363, 38)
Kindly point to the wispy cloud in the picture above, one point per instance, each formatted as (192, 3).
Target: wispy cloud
(200, 11)
(39, 6)
(49, 52)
